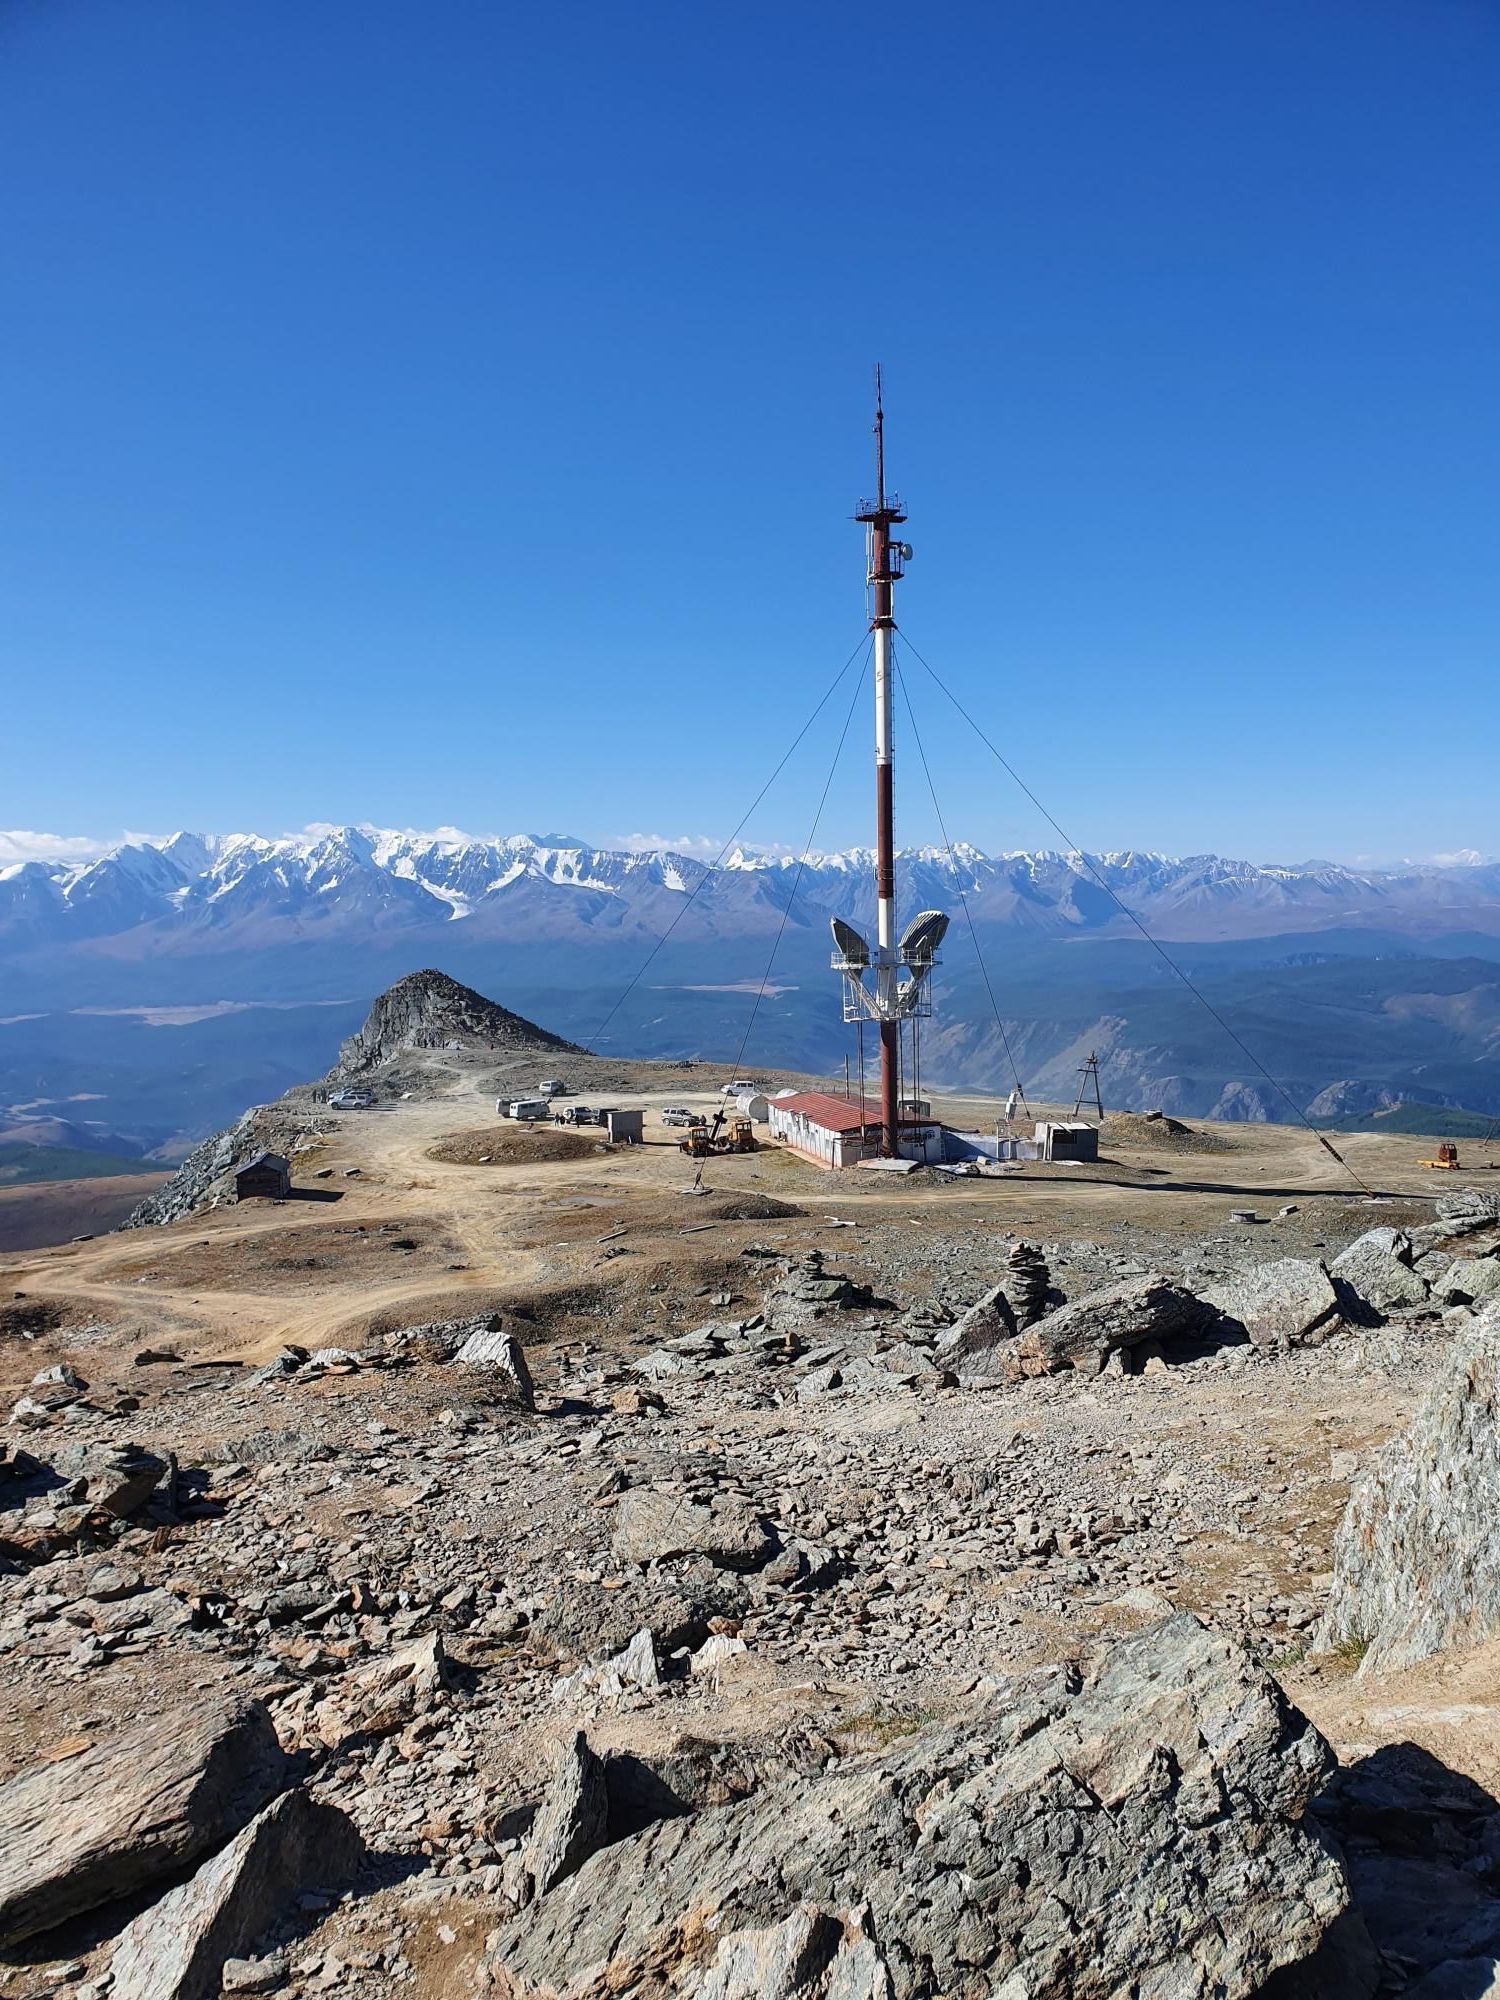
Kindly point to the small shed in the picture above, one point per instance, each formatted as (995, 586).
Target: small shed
(625, 1128)
(268, 1177)
(1068, 1139)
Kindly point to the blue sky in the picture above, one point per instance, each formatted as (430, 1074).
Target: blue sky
(452, 414)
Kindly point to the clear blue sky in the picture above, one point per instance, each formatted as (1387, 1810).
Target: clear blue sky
(452, 412)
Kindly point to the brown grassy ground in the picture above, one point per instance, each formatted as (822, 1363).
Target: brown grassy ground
(54, 1211)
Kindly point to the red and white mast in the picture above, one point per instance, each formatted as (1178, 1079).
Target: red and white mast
(892, 998)
(885, 565)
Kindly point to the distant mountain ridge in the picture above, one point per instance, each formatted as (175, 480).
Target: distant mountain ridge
(196, 894)
(155, 991)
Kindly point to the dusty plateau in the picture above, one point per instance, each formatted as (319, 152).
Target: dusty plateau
(583, 1538)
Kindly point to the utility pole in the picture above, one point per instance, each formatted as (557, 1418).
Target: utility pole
(1088, 1080)
(884, 567)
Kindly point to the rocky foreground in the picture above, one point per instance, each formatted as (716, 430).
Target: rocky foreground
(848, 1643)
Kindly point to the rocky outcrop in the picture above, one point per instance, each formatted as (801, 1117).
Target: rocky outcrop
(573, 1818)
(1070, 1839)
(427, 1010)
(206, 1176)
(1084, 1334)
(502, 1360)
(1377, 1270)
(651, 1526)
(1281, 1304)
(176, 1950)
(1416, 1561)
(131, 1810)
(974, 1348)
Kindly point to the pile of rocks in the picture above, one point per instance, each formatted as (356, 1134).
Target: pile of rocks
(1027, 1283)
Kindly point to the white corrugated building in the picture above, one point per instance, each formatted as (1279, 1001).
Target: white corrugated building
(835, 1132)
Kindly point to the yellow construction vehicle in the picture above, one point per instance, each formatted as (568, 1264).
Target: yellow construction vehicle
(1447, 1158)
(703, 1140)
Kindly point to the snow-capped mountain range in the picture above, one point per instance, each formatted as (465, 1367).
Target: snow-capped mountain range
(197, 893)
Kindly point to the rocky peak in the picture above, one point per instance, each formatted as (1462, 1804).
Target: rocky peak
(426, 1010)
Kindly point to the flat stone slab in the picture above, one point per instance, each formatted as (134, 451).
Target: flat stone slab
(176, 1950)
(131, 1810)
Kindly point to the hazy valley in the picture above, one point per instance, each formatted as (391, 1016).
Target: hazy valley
(150, 994)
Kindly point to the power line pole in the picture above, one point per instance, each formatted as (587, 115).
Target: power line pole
(1088, 1079)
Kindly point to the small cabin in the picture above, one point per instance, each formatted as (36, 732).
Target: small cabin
(625, 1128)
(1068, 1139)
(268, 1177)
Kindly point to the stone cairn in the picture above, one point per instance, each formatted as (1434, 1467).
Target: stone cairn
(1027, 1282)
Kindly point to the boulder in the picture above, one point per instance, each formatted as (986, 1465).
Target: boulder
(573, 1818)
(652, 1526)
(1084, 1334)
(584, 1621)
(1377, 1269)
(1416, 1561)
(1281, 1304)
(974, 1346)
(120, 1478)
(1469, 1281)
(1469, 1205)
(130, 1810)
(176, 1950)
(1071, 1837)
(502, 1356)
(633, 1670)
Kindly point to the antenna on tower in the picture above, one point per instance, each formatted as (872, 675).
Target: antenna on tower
(879, 441)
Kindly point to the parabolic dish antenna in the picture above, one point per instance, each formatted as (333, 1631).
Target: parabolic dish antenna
(852, 946)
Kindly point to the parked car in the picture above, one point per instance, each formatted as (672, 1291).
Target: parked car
(734, 1088)
(580, 1114)
(679, 1114)
(552, 1086)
